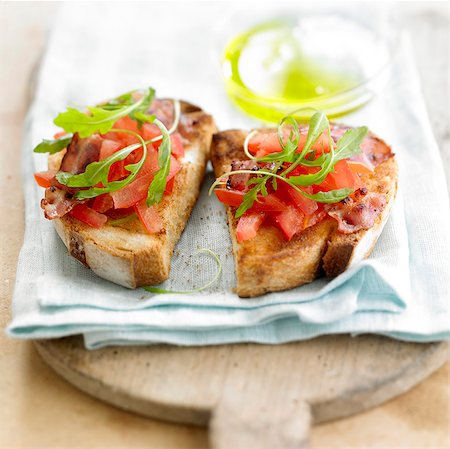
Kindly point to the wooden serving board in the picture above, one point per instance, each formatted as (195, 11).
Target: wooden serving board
(250, 395)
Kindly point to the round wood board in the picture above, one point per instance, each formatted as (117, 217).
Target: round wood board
(251, 395)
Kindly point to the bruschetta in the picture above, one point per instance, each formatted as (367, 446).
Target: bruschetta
(122, 181)
(302, 201)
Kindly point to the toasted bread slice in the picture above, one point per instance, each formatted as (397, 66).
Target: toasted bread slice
(269, 263)
(127, 254)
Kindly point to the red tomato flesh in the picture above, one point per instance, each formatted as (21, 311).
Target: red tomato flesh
(103, 203)
(248, 225)
(132, 193)
(45, 178)
(290, 221)
(108, 148)
(88, 216)
(266, 203)
(149, 217)
(177, 145)
(359, 167)
(341, 177)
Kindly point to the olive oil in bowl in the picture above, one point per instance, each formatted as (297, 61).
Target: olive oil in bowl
(278, 67)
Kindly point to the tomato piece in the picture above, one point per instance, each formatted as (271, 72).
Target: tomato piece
(169, 186)
(248, 225)
(129, 124)
(108, 148)
(59, 134)
(177, 145)
(290, 221)
(45, 178)
(149, 217)
(103, 203)
(342, 177)
(150, 131)
(305, 205)
(321, 145)
(264, 143)
(117, 171)
(359, 167)
(311, 220)
(175, 167)
(129, 195)
(266, 203)
(88, 216)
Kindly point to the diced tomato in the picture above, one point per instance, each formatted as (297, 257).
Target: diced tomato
(311, 220)
(108, 148)
(149, 217)
(175, 167)
(359, 167)
(321, 145)
(103, 203)
(88, 216)
(248, 225)
(264, 143)
(45, 178)
(59, 134)
(117, 171)
(341, 177)
(264, 203)
(149, 131)
(129, 195)
(177, 145)
(129, 124)
(306, 205)
(169, 186)
(290, 221)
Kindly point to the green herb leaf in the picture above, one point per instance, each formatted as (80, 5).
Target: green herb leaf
(96, 171)
(350, 143)
(101, 119)
(317, 125)
(195, 290)
(248, 199)
(158, 185)
(53, 146)
(333, 196)
(314, 178)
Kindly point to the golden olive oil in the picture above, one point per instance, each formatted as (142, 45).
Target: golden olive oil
(268, 75)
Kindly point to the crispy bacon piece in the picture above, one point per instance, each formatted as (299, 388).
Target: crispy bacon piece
(358, 212)
(80, 153)
(57, 203)
(239, 180)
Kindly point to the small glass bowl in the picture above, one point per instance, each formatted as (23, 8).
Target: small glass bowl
(345, 55)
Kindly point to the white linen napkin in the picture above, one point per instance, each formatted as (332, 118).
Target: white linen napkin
(402, 290)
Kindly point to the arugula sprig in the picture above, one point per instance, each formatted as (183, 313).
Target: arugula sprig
(102, 119)
(158, 185)
(53, 146)
(347, 146)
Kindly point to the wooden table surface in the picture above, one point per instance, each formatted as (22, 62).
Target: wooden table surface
(39, 410)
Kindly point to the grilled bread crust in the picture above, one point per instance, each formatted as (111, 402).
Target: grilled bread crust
(127, 254)
(269, 263)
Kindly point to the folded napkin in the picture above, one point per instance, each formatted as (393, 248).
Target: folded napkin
(402, 290)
